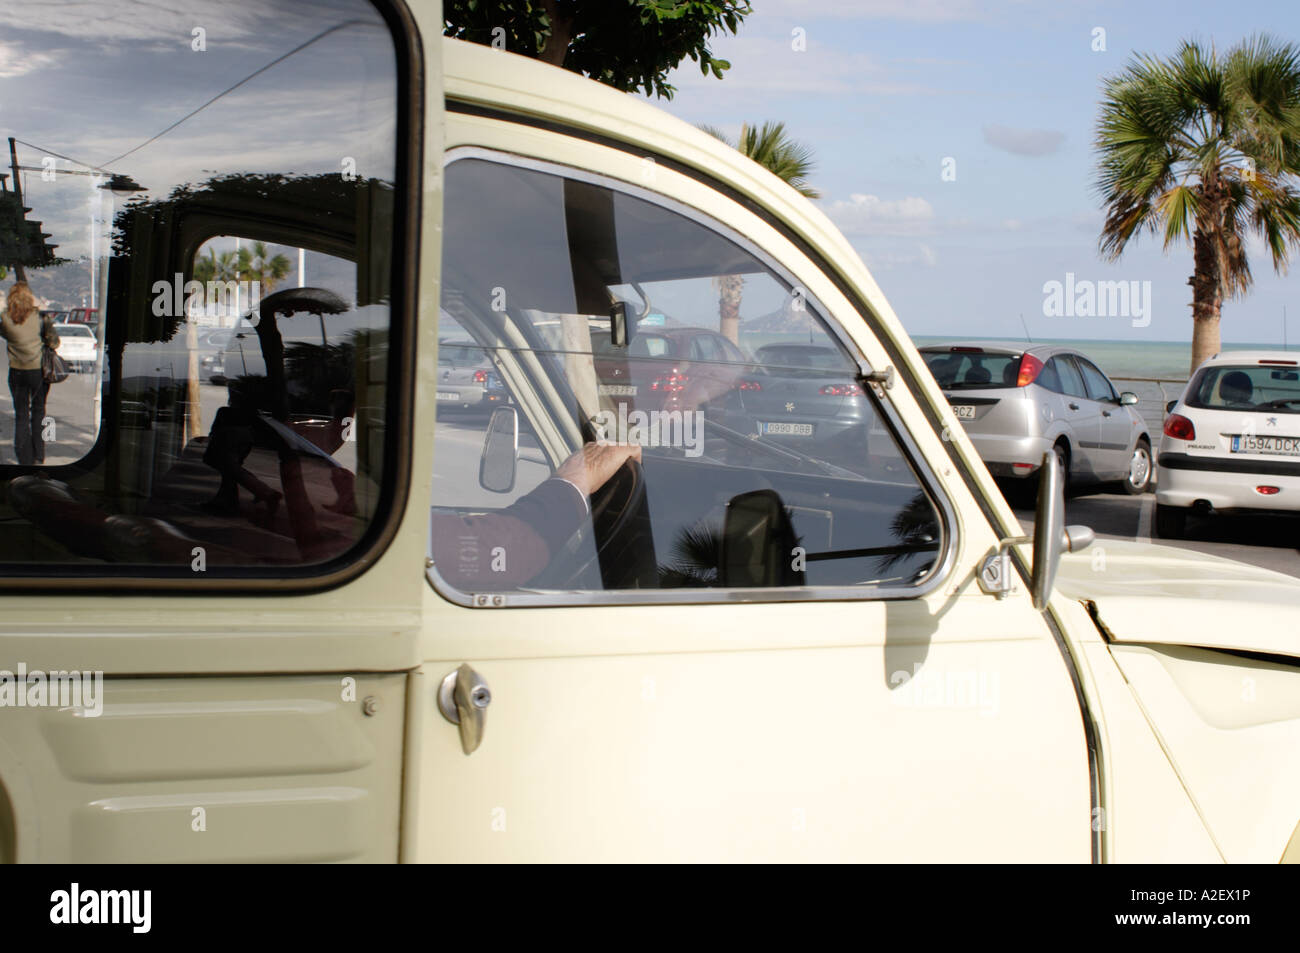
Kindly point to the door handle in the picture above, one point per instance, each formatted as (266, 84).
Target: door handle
(1105, 413)
(1074, 406)
(463, 698)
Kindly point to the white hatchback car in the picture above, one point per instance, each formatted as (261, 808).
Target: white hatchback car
(77, 345)
(1232, 441)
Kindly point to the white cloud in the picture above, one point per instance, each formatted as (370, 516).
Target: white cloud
(920, 254)
(15, 61)
(1024, 142)
(871, 215)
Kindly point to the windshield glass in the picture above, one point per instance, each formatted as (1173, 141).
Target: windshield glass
(972, 368)
(1247, 387)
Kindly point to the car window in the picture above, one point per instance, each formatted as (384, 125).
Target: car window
(235, 269)
(1049, 377)
(780, 473)
(1071, 379)
(74, 330)
(1095, 382)
(1247, 387)
(972, 368)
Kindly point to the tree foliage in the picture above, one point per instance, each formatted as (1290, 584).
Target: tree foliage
(1204, 147)
(628, 44)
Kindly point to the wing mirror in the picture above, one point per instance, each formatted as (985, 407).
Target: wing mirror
(1051, 540)
(1128, 399)
(496, 466)
(758, 542)
(1169, 407)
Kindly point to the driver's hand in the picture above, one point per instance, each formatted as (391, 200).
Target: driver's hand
(590, 467)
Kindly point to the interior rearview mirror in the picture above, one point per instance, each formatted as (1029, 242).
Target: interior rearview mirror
(496, 466)
(621, 325)
(1128, 399)
(758, 543)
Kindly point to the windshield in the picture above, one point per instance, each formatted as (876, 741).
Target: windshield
(1247, 387)
(972, 368)
(74, 331)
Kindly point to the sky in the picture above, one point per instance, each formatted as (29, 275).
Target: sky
(885, 91)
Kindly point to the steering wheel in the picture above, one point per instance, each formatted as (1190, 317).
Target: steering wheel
(623, 551)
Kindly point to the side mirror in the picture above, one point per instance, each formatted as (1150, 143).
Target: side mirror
(496, 467)
(1051, 536)
(757, 543)
(1169, 407)
(1128, 399)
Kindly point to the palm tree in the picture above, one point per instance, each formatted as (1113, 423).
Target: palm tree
(216, 267)
(772, 148)
(257, 265)
(1205, 147)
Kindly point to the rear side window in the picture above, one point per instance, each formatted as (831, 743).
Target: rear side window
(777, 472)
(1247, 387)
(1071, 379)
(971, 368)
(232, 266)
(1095, 381)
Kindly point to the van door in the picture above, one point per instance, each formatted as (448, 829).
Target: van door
(766, 641)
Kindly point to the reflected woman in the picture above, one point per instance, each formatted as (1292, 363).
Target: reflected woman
(22, 326)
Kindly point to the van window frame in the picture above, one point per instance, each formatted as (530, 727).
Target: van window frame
(889, 419)
(395, 483)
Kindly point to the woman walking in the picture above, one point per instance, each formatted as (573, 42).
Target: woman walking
(21, 325)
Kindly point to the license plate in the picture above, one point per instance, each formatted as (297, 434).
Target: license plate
(616, 390)
(783, 429)
(1278, 446)
(448, 395)
(964, 411)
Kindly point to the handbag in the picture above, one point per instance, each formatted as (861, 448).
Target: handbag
(53, 368)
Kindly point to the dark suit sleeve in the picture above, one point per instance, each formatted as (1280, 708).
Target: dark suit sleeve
(507, 548)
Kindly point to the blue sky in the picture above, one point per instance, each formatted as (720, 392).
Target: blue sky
(887, 89)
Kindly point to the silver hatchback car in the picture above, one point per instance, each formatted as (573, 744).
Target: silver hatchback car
(1017, 403)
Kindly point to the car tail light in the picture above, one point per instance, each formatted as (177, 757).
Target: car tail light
(1271, 361)
(749, 385)
(1022, 468)
(1030, 367)
(840, 390)
(480, 377)
(1179, 427)
(1268, 490)
(673, 383)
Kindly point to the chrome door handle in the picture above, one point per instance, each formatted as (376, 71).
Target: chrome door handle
(463, 698)
(1074, 406)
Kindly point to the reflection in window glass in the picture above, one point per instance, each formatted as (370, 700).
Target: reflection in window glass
(220, 280)
(765, 462)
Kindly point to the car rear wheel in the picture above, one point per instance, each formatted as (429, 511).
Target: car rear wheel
(1171, 521)
(1139, 469)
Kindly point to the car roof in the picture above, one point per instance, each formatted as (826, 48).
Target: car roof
(1252, 357)
(989, 347)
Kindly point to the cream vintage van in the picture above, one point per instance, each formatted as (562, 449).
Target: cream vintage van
(300, 614)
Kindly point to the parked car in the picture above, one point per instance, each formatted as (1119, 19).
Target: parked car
(668, 369)
(83, 316)
(797, 394)
(1231, 442)
(466, 379)
(735, 654)
(1015, 403)
(212, 348)
(77, 346)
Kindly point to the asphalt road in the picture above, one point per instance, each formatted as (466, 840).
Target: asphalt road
(1268, 541)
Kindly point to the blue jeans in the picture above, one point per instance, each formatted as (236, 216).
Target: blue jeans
(28, 389)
